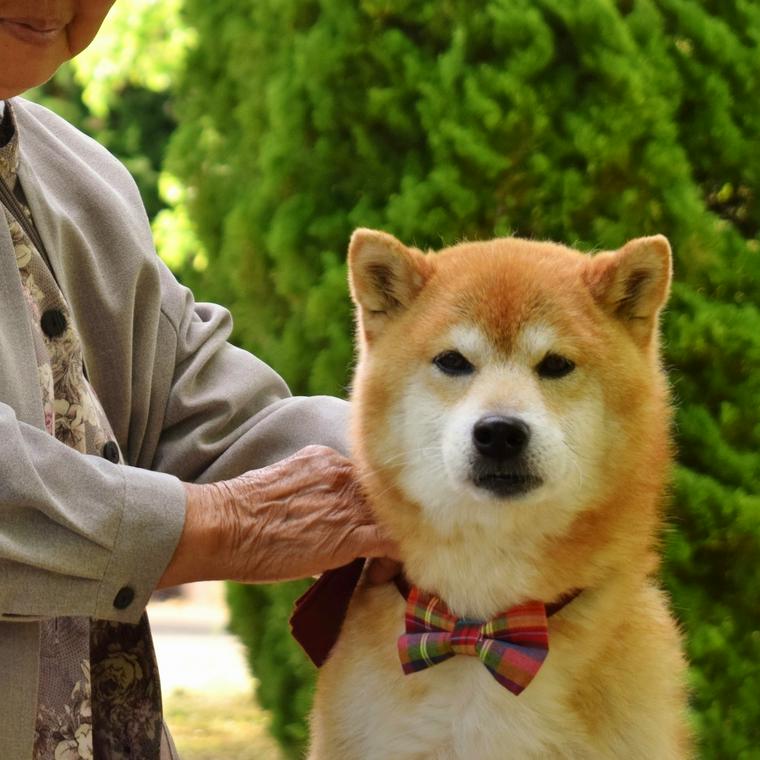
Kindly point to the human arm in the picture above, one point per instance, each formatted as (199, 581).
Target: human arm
(76, 529)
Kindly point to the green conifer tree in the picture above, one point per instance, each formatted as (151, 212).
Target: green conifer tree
(588, 123)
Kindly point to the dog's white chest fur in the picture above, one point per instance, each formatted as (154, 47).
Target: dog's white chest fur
(367, 709)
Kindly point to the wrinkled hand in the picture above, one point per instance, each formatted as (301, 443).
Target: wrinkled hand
(293, 519)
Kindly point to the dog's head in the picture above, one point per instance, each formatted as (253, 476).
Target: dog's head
(511, 384)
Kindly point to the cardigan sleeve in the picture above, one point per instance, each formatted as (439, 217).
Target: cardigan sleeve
(79, 535)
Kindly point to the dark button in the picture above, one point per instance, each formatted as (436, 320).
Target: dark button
(53, 323)
(111, 452)
(124, 597)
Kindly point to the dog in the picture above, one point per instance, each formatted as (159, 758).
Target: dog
(510, 424)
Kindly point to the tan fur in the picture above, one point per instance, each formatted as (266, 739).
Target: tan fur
(613, 683)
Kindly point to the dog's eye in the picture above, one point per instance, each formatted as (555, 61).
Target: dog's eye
(453, 363)
(554, 365)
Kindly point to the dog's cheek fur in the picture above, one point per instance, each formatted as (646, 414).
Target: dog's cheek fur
(425, 422)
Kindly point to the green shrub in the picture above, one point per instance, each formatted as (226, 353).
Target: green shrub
(588, 123)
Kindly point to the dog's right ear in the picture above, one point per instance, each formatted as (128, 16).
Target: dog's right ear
(385, 277)
(632, 284)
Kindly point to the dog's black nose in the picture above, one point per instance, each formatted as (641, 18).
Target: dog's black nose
(501, 438)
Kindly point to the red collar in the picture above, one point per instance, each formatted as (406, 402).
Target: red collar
(319, 613)
(404, 587)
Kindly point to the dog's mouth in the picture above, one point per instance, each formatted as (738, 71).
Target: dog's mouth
(503, 484)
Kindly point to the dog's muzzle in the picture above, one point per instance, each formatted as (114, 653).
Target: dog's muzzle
(500, 445)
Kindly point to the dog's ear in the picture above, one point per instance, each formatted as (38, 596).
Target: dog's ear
(632, 283)
(385, 277)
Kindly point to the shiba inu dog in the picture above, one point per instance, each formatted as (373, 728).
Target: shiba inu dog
(511, 427)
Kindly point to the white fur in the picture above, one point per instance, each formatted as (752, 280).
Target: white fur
(536, 340)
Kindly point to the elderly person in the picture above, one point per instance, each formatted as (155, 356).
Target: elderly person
(139, 448)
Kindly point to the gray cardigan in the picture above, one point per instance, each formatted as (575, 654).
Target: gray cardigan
(183, 403)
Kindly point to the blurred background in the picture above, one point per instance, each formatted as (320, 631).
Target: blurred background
(261, 132)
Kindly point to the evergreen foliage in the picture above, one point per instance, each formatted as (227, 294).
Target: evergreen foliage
(588, 123)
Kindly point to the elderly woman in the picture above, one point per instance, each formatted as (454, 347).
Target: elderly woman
(139, 448)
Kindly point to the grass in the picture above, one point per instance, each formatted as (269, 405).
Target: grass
(219, 727)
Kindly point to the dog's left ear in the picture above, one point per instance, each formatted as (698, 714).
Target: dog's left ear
(633, 283)
(385, 277)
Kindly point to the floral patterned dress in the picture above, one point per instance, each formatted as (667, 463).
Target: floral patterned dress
(99, 692)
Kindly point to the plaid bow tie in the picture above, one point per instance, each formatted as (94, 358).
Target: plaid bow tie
(512, 646)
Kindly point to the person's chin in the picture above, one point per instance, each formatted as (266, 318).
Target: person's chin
(36, 70)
